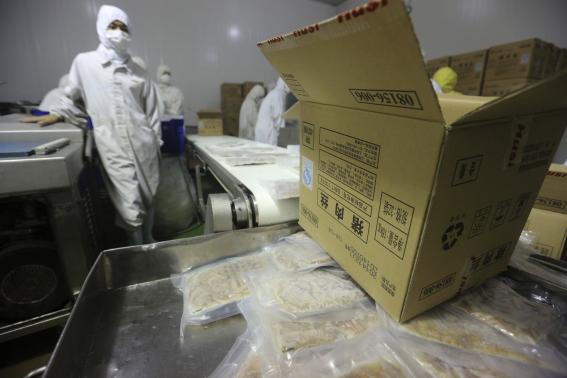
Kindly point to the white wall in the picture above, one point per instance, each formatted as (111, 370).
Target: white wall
(39, 39)
(446, 27)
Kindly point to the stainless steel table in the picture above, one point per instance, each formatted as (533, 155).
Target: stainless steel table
(126, 320)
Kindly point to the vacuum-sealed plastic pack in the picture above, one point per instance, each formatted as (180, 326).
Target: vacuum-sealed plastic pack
(242, 360)
(282, 188)
(304, 293)
(298, 252)
(289, 342)
(211, 292)
(451, 327)
(499, 306)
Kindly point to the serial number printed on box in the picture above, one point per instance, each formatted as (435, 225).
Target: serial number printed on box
(394, 98)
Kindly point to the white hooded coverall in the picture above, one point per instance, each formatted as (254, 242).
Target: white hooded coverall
(123, 106)
(171, 96)
(270, 117)
(249, 112)
(53, 97)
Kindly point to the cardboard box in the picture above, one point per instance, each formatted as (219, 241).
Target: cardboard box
(209, 123)
(231, 126)
(231, 90)
(552, 59)
(470, 70)
(248, 85)
(523, 59)
(416, 197)
(503, 87)
(562, 61)
(231, 107)
(553, 193)
(549, 231)
(434, 64)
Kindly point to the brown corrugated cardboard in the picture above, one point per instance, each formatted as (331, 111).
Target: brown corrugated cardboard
(416, 197)
(248, 85)
(229, 90)
(231, 126)
(231, 106)
(523, 59)
(503, 87)
(549, 230)
(553, 193)
(562, 61)
(210, 122)
(552, 59)
(434, 64)
(470, 70)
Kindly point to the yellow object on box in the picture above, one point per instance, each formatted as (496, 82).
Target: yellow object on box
(431, 66)
(549, 231)
(447, 79)
(416, 197)
(553, 193)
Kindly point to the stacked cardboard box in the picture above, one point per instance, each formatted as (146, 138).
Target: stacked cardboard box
(562, 61)
(470, 70)
(414, 226)
(514, 65)
(231, 101)
(210, 123)
(434, 64)
(548, 219)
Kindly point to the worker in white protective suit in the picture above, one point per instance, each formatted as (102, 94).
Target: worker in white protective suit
(171, 96)
(270, 117)
(249, 112)
(123, 105)
(53, 97)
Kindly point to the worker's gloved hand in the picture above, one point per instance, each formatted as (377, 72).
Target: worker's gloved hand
(45, 120)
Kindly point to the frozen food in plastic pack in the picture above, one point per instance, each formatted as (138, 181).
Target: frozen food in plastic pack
(304, 293)
(241, 361)
(289, 342)
(451, 327)
(366, 356)
(499, 306)
(299, 252)
(282, 188)
(211, 292)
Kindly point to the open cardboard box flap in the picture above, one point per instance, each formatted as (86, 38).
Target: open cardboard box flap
(369, 59)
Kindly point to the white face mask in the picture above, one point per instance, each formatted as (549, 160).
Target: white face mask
(118, 39)
(165, 79)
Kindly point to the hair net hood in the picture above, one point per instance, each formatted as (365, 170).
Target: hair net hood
(162, 68)
(446, 77)
(256, 93)
(106, 15)
(282, 86)
(64, 81)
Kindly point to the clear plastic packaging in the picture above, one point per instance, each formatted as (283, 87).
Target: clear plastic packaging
(437, 360)
(297, 253)
(289, 342)
(451, 327)
(211, 292)
(304, 293)
(237, 161)
(282, 188)
(242, 360)
(499, 306)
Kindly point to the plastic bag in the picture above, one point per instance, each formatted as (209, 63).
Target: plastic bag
(299, 252)
(304, 293)
(451, 327)
(372, 354)
(437, 360)
(288, 342)
(211, 292)
(499, 306)
(282, 188)
(241, 361)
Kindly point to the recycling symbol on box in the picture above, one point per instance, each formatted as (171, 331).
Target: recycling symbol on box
(452, 234)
